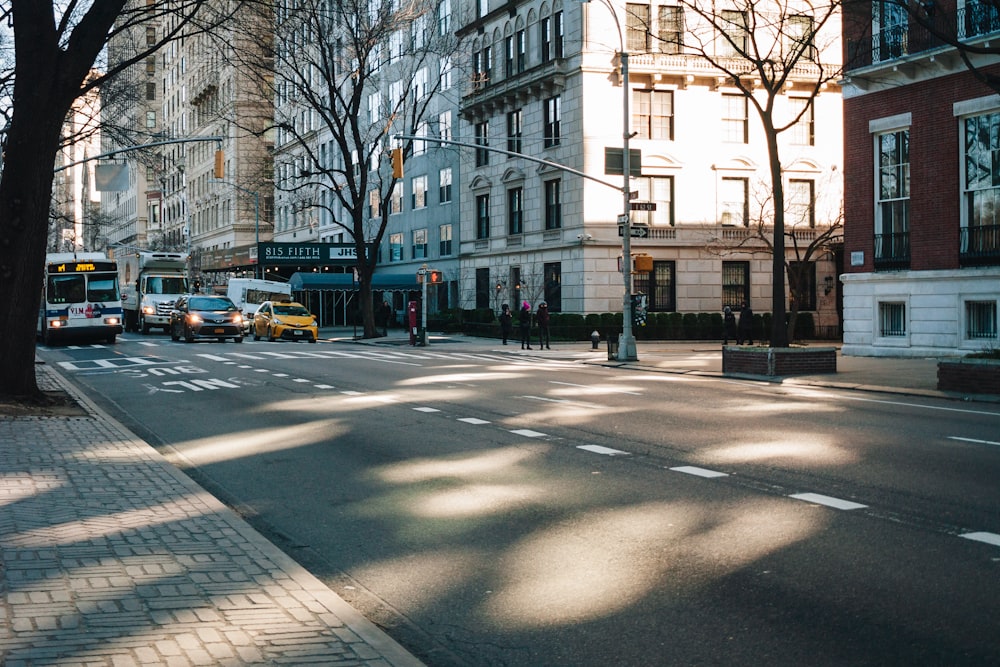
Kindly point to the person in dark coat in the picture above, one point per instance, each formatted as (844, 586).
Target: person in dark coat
(744, 331)
(525, 324)
(728, 325)
(542, 318)
(506, 322)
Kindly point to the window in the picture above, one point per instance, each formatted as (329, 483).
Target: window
(150, 91)
(395, 247)
(508, 56)
(801, 200)
(802, 285)
(444, 232)
(735, 204)
(150, 119)
(735, 284)
(891, 318)
(801, 36)
(374, 203)
(482, 139)
(653, 114)
(660, 191)
(553, 204)
(891, 23)
(482, 216)
(151, 66)
(444, 18)
(445, 74)
(981, 17)
(515, 211)
(419, 243)
(658, 286)
(803, 133)
(735, 119)
(637, 27)
(553, 117)
(419, 145)
(374, 107)
(671, 29)
(514, 130)
(396, 202)
(420, 83)
(418, 192)
(980, 233)
(520, 51)
(735, 33)
(444, 126)
(551, 36)
(557, 34)
(483, 66)
(483, 288)
(981, 320)
(444, 185)
(892, 224)
(552, 289)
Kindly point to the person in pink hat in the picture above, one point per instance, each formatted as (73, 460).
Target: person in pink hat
(525, 324)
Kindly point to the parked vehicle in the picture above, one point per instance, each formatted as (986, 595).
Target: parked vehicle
(80, 298)
(249, 293)
(286, 320)
(150, 283)
(198, 316)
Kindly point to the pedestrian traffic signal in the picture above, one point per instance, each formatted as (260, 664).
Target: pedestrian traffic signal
(397, 162)
(220, 164)
(434, 277)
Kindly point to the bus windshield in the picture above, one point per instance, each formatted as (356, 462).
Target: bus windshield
(102, 289)
(67, 289)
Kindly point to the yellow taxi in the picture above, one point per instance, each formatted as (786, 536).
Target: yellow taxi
(284, 320)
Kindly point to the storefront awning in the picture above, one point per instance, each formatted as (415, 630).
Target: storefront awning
(345, 281)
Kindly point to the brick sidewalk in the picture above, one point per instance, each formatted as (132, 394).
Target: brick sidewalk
(111, 556)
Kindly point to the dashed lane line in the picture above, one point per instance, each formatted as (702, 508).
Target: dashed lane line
(700, 472)
(828, 501)
(607, 451)
(426, 409)
(473, 420)
(528, 433)
(987, 538)
(974, 440)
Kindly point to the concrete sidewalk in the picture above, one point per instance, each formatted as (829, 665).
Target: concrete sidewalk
(111, 556)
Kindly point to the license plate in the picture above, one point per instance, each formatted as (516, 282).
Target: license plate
(219, 331)
(298, 332)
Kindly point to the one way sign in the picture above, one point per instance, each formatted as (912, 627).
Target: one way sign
(637, 231)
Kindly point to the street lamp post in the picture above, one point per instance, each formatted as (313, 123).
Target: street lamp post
(626, 343)
(256, 219)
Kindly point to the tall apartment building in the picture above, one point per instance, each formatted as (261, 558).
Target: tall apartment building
(922, 179)
(195, 96)
(74, 220)
(546, 81)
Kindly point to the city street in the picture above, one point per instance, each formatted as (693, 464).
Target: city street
(490, 506)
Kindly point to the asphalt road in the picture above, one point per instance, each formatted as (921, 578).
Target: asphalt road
(500, 509)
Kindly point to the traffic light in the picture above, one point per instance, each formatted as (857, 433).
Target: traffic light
(397, 162)
(434, 276)
(220, 164)
(642, 263)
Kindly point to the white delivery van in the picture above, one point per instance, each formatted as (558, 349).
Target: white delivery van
(249, 293)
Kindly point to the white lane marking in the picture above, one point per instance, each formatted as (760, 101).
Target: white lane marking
(917, 405)
(610, 390)
(261, 370)
(548, 400)
(473, 420)
(213, 357)
(973, 440)
(148, 344)
(700, 472)
(244, 366)
(528, 433)
(829, 501)
(426, 409)
(597, 449)
(243, 355)
(281, 375)
(301, 380)
(349, 392)
(324, 386)
(988, 538)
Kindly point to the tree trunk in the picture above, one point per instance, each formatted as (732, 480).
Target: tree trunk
(779, 333)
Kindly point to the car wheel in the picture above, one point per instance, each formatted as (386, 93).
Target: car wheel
(270, 334)
(238, 339)
(174, 336)
(188, 336)
(313, 339)
(110, 339)
(143, 327)
(253, 328)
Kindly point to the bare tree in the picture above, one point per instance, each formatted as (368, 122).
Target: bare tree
(347, 77)
(56, 48)
(759, 50)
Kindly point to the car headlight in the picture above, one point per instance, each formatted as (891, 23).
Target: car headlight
(149, 310)
(193, 318)
(237, 319)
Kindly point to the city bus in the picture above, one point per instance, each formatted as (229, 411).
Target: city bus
(80, 298)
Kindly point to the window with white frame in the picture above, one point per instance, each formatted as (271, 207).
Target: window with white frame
(981, 226)
(444, 236)
(482, 139)
(374, 203)
(395, 94)
(653, 114)
(444, 18)
(803, 133)
(637, 27)
(735, 201)
(981, 320)
(396, 247)
(801, 35)
(890, 27)
(420, 83)
(419, 145)
(396, 201)
(735, 38)
(444, 125)
(553, 121)
(891, 318)
(515, 121)
(735, 119)
(444, 185)
(660, 191)
(445, 73)
(515, 211)
(801, 203)
(374, 107)
(892, 224)
(420, 243)
(482, 216)
(671, 29)
(553, 204)
(418, 192)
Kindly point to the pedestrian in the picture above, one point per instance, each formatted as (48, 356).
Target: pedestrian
(506, 322)
(542, 318)
(744, 330)
(524, 322)
(728, 325)
(386, 316)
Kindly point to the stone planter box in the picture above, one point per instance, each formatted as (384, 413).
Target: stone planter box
(778, 361)
(969, 376)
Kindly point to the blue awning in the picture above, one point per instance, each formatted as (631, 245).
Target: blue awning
(305, 280)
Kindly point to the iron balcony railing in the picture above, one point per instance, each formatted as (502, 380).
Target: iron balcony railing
(892, 251)
(979, 245)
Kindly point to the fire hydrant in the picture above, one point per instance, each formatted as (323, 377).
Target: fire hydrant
(595, 338)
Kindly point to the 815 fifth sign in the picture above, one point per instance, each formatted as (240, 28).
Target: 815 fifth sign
(311, 254)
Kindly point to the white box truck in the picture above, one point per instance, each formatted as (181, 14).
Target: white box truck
(249, 293)
(151, 283)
